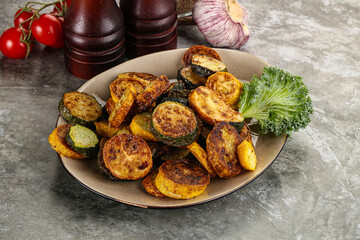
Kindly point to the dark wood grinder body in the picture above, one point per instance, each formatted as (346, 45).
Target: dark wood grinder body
(94, 37)
(150, 26)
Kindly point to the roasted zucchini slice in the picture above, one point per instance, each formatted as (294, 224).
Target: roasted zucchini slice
(202, 156)
(245, 133)
(246, 155)
(104, 129)
(149, 184)
(154, 147)
(145, 99)
(59, 144)
(177, 90)
(100, 160)
(80, 108)
(183, 101)
(199, 49)
(127, 157)
(211, 108)
(122, 107)
(227, 87)
(190, 80)
(124, 128)
(109, 105)
(141, 76)
(174, 124)
(138, 80)
(176, 153)
(140, 126)
(83, 140)
(221, 146)
(181, 179)
(205, 66)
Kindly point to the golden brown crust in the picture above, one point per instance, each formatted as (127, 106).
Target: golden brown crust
(149, 184)
(199, 49)
(122, 108)
(221, 147)
(181, 179)
(201, 155)
(109, 105)
(226, 86)
(148, 96)
(179, 119)
(245, 133)
(140, 126)
(138, 75)
(127, 157)
(211, 108)
(138, 80)
(104, 129)
(58, 142)
(185, 171)
(82, 105)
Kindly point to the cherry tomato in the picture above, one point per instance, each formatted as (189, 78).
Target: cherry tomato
(60, 43)
(21, 17)
(47, 29)
(10, 44)
(61, 6)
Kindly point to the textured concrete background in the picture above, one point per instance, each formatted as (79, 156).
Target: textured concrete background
(312, 191)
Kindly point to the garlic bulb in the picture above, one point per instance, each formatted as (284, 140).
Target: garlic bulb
(222, 22)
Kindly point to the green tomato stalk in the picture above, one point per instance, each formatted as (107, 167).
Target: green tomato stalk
(278, 100)
(31, 7)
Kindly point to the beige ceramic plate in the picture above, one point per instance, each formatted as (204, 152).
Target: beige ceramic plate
(267, 148)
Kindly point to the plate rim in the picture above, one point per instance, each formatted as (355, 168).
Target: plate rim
(149, 206)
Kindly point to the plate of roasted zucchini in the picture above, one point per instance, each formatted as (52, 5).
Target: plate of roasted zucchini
(164, 130)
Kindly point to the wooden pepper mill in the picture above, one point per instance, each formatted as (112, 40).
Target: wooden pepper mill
(150, 26)
(94, 37)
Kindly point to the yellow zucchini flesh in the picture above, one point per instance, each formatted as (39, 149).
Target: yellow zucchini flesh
(59, 144)
(227, 87)
(127, 157)
(201, 155)
(140, 126)
(221, 146)
(181, 179)
(211, 108)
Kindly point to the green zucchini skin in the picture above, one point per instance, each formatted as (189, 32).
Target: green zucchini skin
(103, 169)
(89, 151)
(237, 125)
(69, 118)
(190, 79)
(174, 141)
(199, 69)
(204, 72)
(176, 153)
(183, 101)
(178, 90)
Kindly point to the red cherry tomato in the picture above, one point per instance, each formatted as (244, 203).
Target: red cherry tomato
(10, 44)
(21, 18)
(47, 29)
(60, 43)
(61, 6)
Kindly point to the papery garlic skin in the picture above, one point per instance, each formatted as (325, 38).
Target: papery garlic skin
(222, 22)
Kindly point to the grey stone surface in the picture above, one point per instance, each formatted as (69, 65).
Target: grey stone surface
(312, 191)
